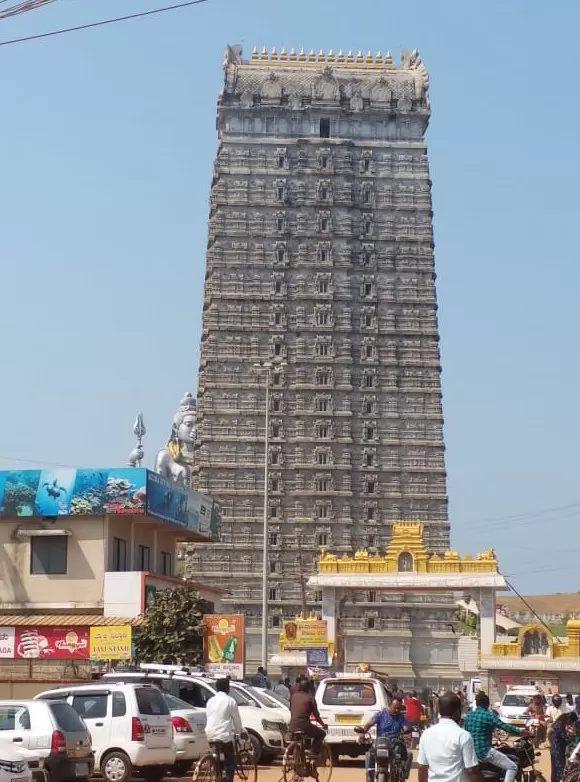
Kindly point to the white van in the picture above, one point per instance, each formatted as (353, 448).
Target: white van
(345, 701)
(514, 706)
(130, 726)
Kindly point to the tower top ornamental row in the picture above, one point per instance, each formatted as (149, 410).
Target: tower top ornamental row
(326, 58)
(299, 81)
(406, 553)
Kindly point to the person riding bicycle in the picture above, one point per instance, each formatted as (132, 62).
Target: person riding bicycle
(390, 722)
(482, 723)
(223, 723)
(302, 706)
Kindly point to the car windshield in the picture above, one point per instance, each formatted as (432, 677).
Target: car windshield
(520, 701)
(67, 718)
(240, 697)
(264, 698)
(279, 698)
(349, 694)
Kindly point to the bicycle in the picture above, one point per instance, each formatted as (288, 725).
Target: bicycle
(210, 767)
(298, 762)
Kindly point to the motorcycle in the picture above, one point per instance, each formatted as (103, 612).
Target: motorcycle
(522, 752)
(386, 762)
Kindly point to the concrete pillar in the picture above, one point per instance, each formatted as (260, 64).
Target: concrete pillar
(329, 612)
(486, 620)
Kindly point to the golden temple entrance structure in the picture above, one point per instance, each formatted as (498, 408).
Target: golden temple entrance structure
(407, 567)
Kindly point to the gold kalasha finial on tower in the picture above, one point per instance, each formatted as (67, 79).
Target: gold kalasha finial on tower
(311, 57)
(274, 55)
(254, 54)
(330, 58)
(370, 60)
(302, 56)
(283, 56)
(321, 57)
(359, 58)
(388, 60)
(264, 56)
(340, 59)
(379, 60)
(292, 55)
(350, 59)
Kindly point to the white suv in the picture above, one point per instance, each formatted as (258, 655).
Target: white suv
(264, 725)
(345, 701)
(130, 725)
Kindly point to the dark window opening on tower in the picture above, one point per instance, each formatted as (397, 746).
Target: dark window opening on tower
(325, 128)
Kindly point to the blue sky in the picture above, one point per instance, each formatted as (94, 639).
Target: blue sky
(107, 141)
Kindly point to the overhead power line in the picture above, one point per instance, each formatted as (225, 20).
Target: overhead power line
(103, 22)
(22, 7)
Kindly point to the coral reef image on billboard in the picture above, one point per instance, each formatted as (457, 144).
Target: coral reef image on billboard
(126, 490)
(20, 487)
(66, 491)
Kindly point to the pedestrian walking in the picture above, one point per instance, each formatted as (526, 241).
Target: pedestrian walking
(559, 742)
(446, 751)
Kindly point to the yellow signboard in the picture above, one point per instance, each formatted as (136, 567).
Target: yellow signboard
(110, 643)
(305, 633)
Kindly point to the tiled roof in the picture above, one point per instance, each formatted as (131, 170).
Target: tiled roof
(66, 620)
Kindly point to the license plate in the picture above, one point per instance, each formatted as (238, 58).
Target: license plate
(158, 731)
(81, 769)
(347, 719)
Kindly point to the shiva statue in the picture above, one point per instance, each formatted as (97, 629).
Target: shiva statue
(176, 459)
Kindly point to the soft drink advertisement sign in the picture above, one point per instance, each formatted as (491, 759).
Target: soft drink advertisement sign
(223, 644)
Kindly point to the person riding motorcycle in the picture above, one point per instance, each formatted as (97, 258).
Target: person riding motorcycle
(482, 723)
(390, 722)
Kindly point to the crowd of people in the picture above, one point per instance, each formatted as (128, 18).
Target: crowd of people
(456, 739)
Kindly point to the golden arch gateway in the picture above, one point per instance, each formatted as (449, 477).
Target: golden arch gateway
(407, 566)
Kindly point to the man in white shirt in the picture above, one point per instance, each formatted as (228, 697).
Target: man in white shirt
(223, 723)
(446, 751)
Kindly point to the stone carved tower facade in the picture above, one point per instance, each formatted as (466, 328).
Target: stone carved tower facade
(320, 260)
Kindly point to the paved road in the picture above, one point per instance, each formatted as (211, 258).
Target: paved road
(353, 771)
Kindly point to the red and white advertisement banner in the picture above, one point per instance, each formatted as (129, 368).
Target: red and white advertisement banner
(44, 643)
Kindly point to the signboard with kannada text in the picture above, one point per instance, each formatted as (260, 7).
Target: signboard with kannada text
(110, 643)
(7, 642)
(305, 634)
(223, 644)
(316, 657)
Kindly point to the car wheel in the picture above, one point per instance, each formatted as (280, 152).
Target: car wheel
(257, 750)
(116, 767)
(153, 773)
(181, 768)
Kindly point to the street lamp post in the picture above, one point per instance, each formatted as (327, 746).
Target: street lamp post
(266, 366)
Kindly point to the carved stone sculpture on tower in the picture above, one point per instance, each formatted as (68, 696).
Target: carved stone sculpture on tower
(176, 459)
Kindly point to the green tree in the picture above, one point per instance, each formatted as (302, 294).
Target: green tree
(172, 630)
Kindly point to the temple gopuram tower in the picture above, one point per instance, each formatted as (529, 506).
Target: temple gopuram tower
(320, 261)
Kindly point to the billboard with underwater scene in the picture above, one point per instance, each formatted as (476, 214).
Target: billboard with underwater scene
(66, 491)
